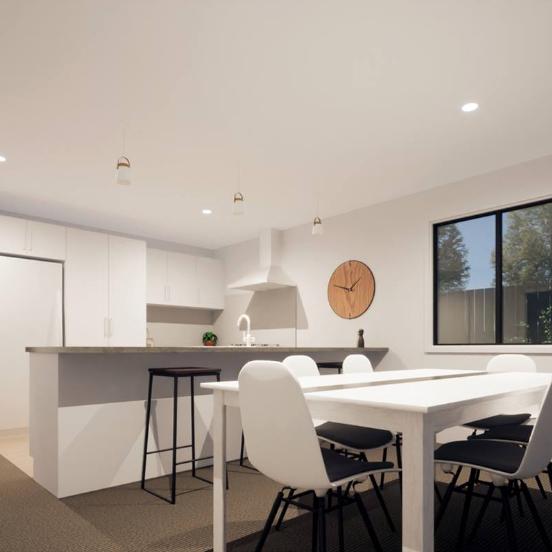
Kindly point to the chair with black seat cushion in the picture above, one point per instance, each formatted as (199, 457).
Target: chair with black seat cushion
(505, 363)
(283, 445)
(508, 465)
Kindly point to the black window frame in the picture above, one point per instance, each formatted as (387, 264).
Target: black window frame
(499, 307)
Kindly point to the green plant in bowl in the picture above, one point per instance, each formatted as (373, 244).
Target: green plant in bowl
(210, 339)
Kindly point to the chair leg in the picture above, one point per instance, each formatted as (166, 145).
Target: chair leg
(367, 522)
(175, 436)
(507, 512)
(382, 503)
(466, 510)
(269, 521)
(549, 470)
(340, 530)
(314, 538)
(146, 435)
(398, 446)
(517, 492)
(541, 487)
(447, 497)
(242, 449)
(437, 493)
(481, 514)
(383, 459)
(322, 522)
(536, 517)
(284, 510)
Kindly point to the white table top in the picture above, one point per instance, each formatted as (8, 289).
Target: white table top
(312, 383)
(437, 394)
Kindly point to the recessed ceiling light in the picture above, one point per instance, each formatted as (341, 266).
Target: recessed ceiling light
(2, 159)
(469, 107)
(207, 211)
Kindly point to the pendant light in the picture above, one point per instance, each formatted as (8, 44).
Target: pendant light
(123, 167)
(238, 207)
(317, 228)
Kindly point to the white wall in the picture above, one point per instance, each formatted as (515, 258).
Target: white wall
(175, 327)
(393, 238)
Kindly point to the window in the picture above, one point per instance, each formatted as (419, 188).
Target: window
(493, 278)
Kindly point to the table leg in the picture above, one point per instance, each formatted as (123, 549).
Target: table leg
(418, 479)
(219, 472)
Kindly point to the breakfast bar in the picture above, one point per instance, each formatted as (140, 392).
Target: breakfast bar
(88, 406)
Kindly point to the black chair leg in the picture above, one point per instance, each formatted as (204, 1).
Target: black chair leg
(507, 512)
(398, 446)
(541, 487)
(340, 530)
(447, 497)
(242, 449)
(175, 436)
(482, 511)
(314, 538)
(382, 503)
(383, 459)
(322, 522)
(516, 489)
(367, 522)
(284, 510)
(437, 493)
(466, 510)
(269, 521)
(549, 470)
(146, 436)
(535, 514)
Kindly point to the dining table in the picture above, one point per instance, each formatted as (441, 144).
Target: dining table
(418, 403)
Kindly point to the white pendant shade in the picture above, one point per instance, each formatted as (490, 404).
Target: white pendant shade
(123, 171)
(317, 228)
(239, 204)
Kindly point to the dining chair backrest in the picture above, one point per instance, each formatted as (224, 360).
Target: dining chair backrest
(539, 449)
(301, 366)
(279, 433)
(511, 363)
(357, 364)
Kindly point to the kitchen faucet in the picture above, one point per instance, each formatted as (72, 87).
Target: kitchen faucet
(247, 338)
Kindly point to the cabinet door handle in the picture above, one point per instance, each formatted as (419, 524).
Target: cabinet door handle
(105, 327)
(110, 327)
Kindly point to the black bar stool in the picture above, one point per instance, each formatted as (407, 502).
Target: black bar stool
(175, 374)
(335, 365)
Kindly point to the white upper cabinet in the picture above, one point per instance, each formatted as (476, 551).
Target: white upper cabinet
(157, 277)
(13, 235)
(183, 285)
(127, 292)
(86, 289)
(32, 239)
(105, 290)
(47, 241)
(181, 280)
(210, 276)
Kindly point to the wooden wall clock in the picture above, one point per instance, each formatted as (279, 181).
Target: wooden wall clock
(351, 289)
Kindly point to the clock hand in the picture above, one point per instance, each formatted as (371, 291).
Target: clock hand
(353, 286)
(342, 287)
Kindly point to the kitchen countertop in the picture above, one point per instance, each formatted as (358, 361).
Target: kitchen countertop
(202, 349)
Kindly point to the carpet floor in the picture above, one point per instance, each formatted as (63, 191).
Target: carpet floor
(126, 519)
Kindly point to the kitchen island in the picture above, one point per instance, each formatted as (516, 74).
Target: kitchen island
(87, 409)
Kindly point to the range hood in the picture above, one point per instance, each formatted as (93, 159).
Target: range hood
(269, 274)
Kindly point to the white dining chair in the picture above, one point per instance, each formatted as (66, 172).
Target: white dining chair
(508, 465)
(283, 445)
(301, 366)
(354, 364)
(505, 363)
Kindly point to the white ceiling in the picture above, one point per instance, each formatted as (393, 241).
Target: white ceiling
(356, 101)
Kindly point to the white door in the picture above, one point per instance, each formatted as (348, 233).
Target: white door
(86, 288)
(13, 235)
(211, 283)
(183, 284)
(127, 292)
(31, 314)
(157, 289)
(46, 240)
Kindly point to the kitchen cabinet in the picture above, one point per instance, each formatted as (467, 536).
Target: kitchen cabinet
(30, 238)
(181, 280)
(210, 276)
(105, 290)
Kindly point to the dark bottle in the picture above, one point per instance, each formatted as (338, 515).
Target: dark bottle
(360, 341)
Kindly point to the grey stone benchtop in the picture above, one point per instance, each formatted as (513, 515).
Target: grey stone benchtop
(206, 350)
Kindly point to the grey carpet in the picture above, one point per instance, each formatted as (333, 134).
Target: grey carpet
(125, 519)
